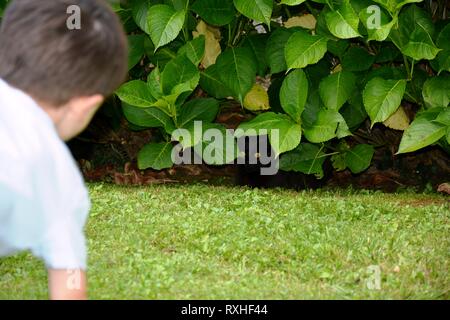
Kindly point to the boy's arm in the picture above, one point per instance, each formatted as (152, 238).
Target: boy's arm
(67, 284)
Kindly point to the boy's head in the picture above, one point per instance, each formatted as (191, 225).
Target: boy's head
(66, 69)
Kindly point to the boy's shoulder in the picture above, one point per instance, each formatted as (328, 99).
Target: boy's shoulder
(29, 143)
(25, 129)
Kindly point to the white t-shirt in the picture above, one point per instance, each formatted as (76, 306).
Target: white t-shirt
(44, 203)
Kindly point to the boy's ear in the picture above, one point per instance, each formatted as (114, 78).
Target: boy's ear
(88, 103)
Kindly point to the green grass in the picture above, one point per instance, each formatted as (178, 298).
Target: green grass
(205, 242)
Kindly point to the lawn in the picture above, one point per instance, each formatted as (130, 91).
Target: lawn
(207, 242)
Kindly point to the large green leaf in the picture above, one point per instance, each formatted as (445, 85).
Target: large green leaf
(421, 133)
(218, 146)
(136, 49)
(135, 93)
(179, 75)
(164, 24)
(148, 117)
(307, 158)
(198, 110)
(258, 10)
(394, 6)
(211, 82)
(421, 45)
(443, 43)
(154, 83)
(303, 49)
(414, 34)
(215, 12)
(194, 50)
(212, 141)
(382, 98)
(275, 49)
(343, 22)
(157, 156)
(444, 117)
(357, 59)
(140, 13)
(292, 2)
(257, 43)
(436, 92)
(336, 89)
(294, 93)
(289, 132)
(237, 70)
(354, 112)
(369, 18)
(324, 128)
(358, 159)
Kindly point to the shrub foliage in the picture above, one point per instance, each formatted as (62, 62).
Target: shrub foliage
(333, 66)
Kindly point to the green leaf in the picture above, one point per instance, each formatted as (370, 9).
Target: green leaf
(436, 92)
(157, 156)
(369, 17)
(147, 117)
(324, 128)
(443, 43)
(275, 49)
(343, 23)
(336, 89)
(136, 49)
(289, 132)
(215, 12)
(382, 98)
(216, 146)
(237, 70)
(420, 45)
(257, 43)
(164, 24)
(444, 117)
(258, 10)
(357, 59)
(135, 93)
(139, 12)
(421, 133)
(358, 159)
(294, 93)
(198, 109)
(178, 75)
(394, 6)
(414, 34)
(303, 49)
(194, 50)
(354, 112)
(292, 2)
(211, 82)
(338, 47)
(342, 129)
(154, 84)
(307, 158)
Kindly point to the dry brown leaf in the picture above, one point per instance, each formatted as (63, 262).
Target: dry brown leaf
(398, 120)
(257, 99)
(307, 21)
(212, 42)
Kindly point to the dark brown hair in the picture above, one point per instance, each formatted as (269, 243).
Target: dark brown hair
(40, 55)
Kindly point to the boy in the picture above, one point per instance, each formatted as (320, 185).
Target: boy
(53, 78)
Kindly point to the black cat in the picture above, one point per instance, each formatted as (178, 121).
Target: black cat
(250, 165)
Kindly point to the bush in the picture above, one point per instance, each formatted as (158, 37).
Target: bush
(333, 66)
